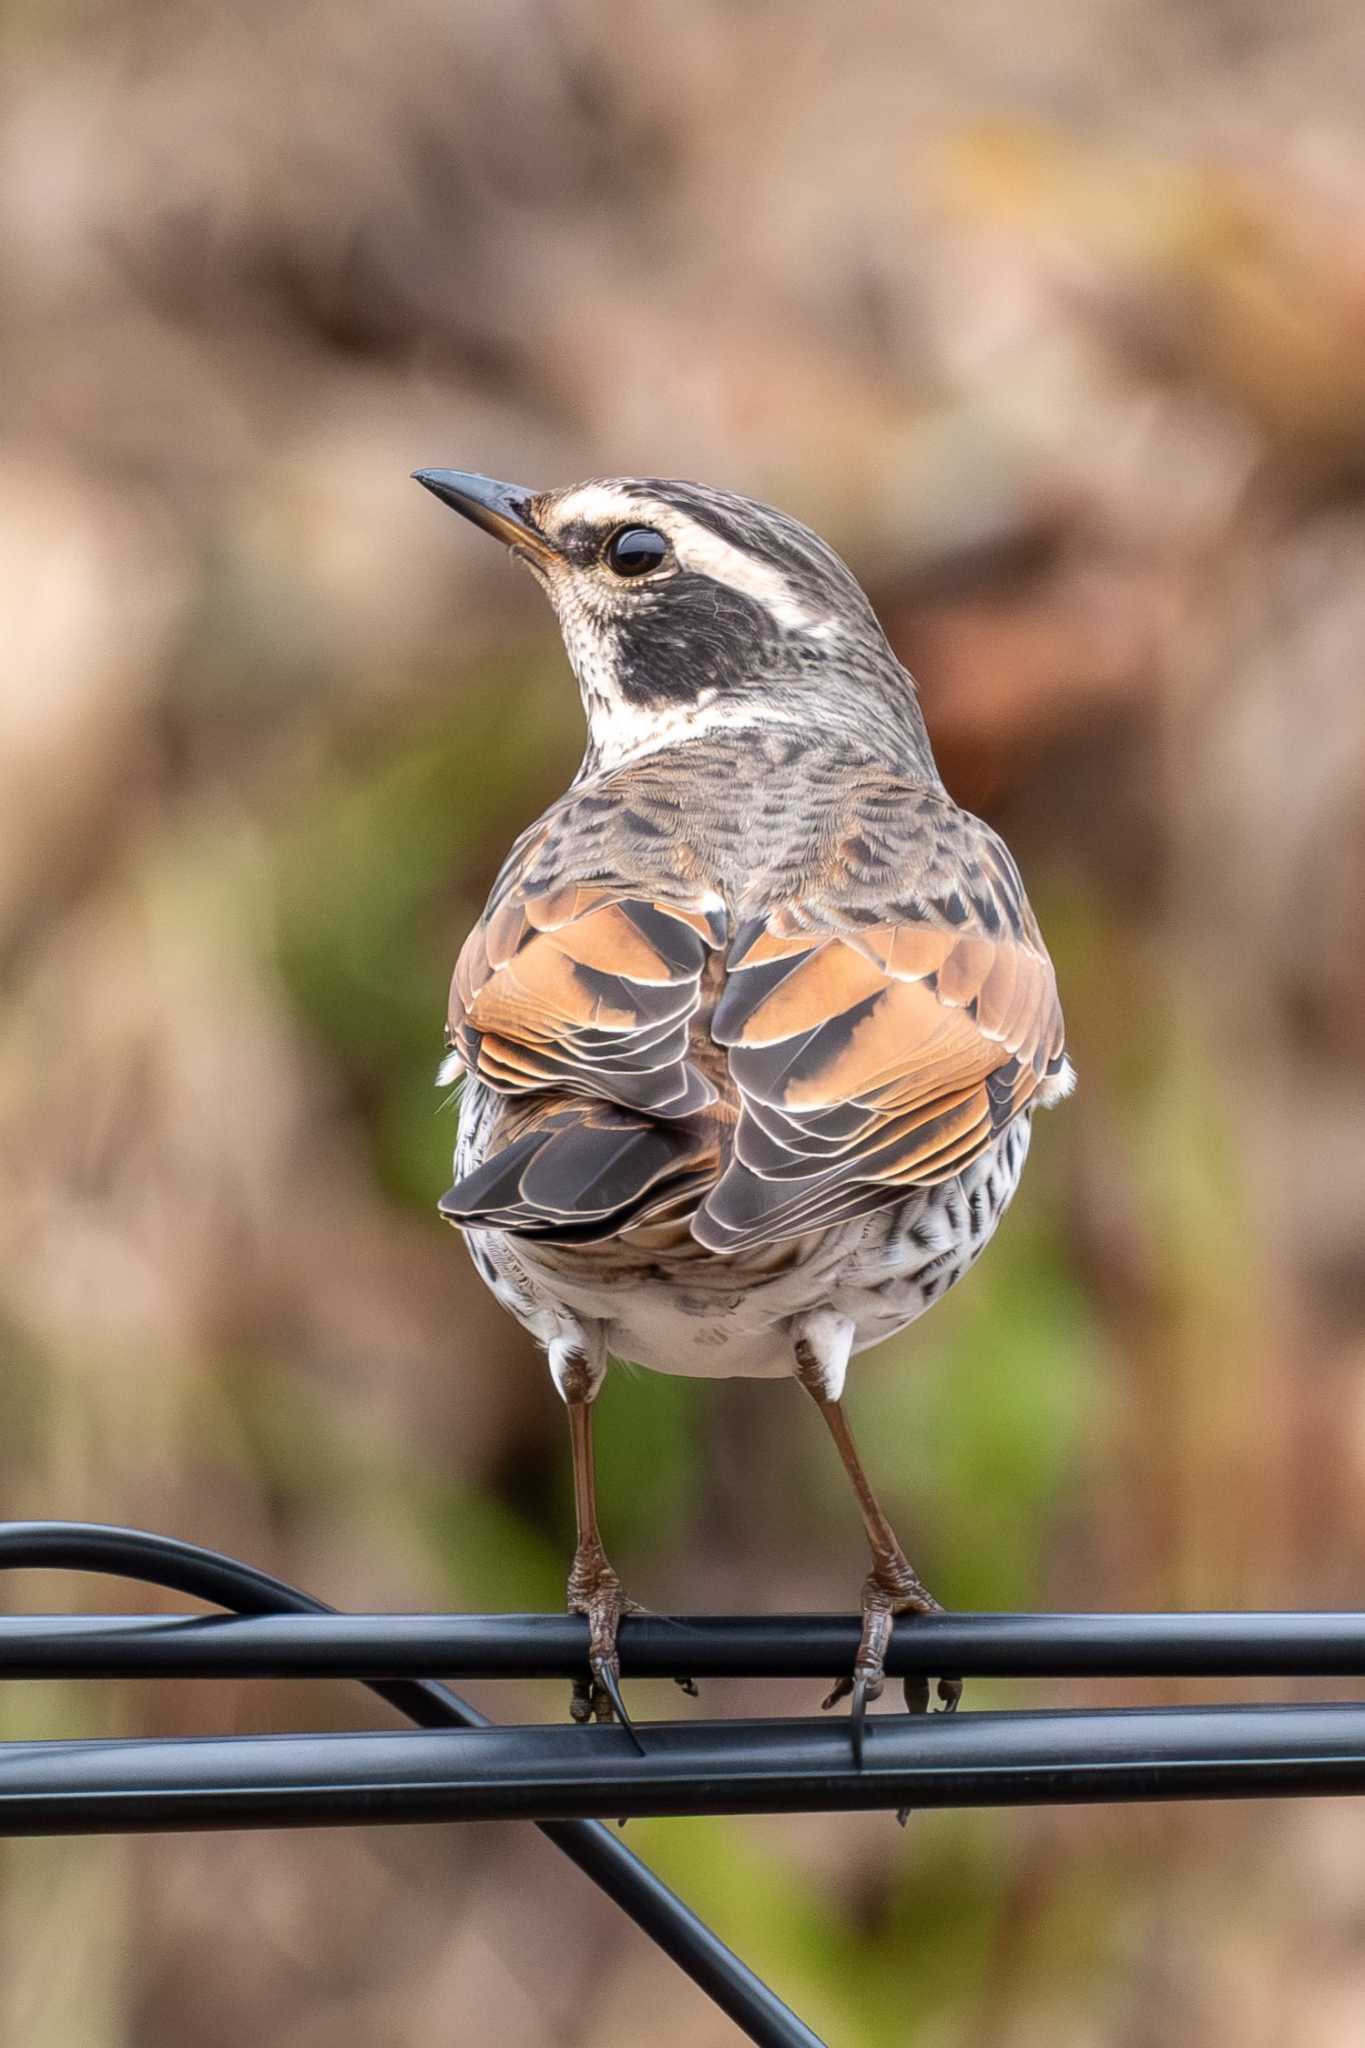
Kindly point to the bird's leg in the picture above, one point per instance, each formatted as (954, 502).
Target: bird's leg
(594, 1588)
(893, 1586)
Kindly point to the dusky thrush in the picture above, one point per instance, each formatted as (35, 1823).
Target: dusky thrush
(754, 1024)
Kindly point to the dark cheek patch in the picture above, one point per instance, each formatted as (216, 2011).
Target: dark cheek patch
(688, 636)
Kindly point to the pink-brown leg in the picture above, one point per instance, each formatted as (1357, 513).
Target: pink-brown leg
(892, 1587)
(594, 1589)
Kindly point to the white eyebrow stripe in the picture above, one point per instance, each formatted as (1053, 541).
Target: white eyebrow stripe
(595, 503)
(696, 547)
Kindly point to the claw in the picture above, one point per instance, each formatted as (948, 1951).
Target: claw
(917, 1694)
(595, 1593)
(887, 1594)
(857, 1717)
(689, 1686)
(604, 1672)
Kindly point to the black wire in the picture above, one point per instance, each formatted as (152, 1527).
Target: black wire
(691, 1767)
(223, 1581)
(373, 1646)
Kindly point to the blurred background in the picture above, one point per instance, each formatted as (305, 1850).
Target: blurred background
(1053, 321)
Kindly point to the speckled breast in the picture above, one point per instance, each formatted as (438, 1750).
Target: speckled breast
(670, 1304)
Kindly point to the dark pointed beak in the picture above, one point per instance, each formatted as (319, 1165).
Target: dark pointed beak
(504, 510)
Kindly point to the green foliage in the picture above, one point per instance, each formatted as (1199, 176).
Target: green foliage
(319, 1451)
(373, 898)
(971, 1420)
(648, 1430)
(900, 1965)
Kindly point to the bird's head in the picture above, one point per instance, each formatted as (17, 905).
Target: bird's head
(685, 610)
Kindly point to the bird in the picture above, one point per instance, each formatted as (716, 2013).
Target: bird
(752, 1030)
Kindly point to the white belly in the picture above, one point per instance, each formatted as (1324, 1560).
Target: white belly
(709, 1317)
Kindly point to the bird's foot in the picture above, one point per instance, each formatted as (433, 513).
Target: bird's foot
(595, 1593)
(891, 1588)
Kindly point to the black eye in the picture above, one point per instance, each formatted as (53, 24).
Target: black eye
(635, 550)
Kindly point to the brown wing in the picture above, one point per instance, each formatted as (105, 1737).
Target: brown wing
(588, 991)
(874, 1053)
(574, 1004)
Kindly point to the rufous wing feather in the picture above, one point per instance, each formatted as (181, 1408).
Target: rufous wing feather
(873, 1056)
(587, 992)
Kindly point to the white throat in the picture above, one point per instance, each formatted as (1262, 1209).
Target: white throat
(619, 732)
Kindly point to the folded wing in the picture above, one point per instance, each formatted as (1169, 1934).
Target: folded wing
(589, 991)
(573, 1172)
(872, 1053)
(575, 1004)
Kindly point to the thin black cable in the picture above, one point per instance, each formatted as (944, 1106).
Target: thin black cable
(225, 1582)
(816, 1646)
(691, 1767)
